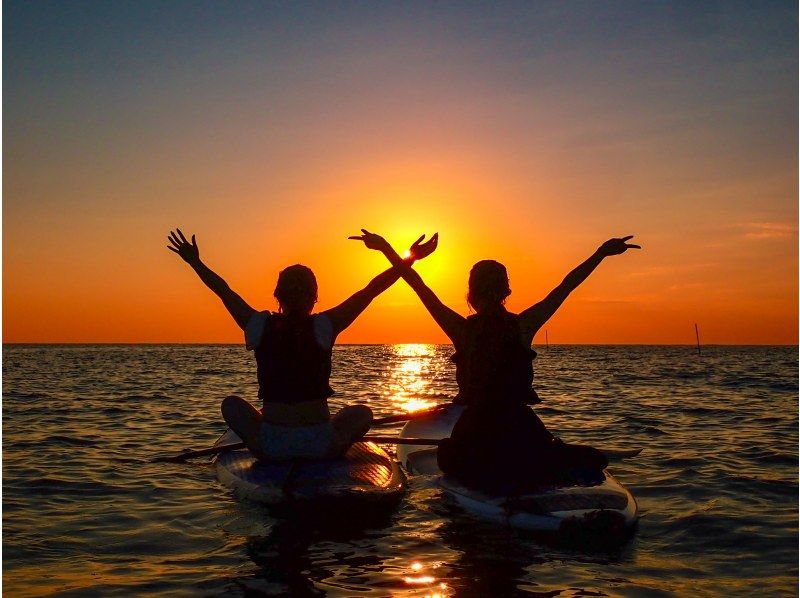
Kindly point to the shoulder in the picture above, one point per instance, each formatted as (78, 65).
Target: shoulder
(254, 330)
(323, 330)
(528, 323)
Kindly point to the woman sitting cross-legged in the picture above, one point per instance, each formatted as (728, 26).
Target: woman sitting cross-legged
(293, 349)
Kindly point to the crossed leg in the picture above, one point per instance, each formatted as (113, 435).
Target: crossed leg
(349, 424)
(245, 420)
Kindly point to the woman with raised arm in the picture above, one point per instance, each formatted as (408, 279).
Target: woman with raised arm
(293, 357)
(498, 436)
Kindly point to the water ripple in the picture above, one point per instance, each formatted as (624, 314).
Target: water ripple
(86, 513)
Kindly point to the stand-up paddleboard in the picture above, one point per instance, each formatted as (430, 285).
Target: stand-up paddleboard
(365, 473)
(591, 500)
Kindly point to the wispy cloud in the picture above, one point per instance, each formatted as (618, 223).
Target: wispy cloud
(662, 270)
(640, 298)
(768, 230)
(686, 286)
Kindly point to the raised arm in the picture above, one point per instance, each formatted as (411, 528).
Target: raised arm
(449, 321)
(345, 313)
(533, 318)
(190, 253)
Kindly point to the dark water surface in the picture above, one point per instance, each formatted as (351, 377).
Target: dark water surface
(84, 513)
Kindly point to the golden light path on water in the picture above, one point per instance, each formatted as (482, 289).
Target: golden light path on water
(408, 382)
(408, 386)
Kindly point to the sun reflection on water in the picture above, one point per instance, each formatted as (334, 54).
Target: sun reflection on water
(414, 350)
(438, 590)
(408, 383)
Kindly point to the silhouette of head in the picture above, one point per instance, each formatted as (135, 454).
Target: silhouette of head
(488, 285)
(296, 290)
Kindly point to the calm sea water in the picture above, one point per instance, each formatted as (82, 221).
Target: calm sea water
(85, 513)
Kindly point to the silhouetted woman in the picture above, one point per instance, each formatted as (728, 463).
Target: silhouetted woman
(499, 442)
(293, 357)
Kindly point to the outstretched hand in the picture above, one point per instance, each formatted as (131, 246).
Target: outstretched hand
(178, 243)
(420, 250)
(617, 246)
(371, 240)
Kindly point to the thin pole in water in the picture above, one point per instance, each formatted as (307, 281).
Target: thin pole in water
(697, 335)
(546, 341)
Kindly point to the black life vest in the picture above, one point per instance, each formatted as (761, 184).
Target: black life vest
(493, 365)
(292, 367)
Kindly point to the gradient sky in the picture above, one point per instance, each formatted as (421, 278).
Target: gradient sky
(525, 132)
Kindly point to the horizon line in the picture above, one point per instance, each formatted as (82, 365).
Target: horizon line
(220, 344)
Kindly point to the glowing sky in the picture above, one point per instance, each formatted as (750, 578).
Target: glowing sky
(525, 132)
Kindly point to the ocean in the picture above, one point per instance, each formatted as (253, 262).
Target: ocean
(85, 513)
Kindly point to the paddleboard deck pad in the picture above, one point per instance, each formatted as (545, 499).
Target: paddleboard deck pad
(594, 500)
(365, 473)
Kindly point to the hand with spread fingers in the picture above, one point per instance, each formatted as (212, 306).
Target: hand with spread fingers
(420, 250)
(178, 243)
(190, 253)
(617, 246)
(371, 240)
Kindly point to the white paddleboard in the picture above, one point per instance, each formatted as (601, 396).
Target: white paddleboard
(366, 472)
(543, 510)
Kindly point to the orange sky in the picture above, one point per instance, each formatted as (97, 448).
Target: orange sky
(274, 149)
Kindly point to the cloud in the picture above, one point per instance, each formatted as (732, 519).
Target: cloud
(768, 230)
(686, 286)
(655, 271)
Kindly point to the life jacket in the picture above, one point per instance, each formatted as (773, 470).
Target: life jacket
(493, 366)
(292, 367)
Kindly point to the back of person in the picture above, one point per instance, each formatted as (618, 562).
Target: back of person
(498, 433)
(499, 445)
(293, 357)
(493, 365)
(294, 360)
